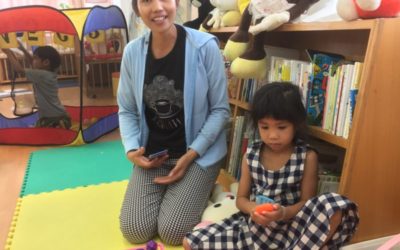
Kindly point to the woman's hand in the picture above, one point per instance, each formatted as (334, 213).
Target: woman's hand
(265, 218)
(137, 157)
(179, 170)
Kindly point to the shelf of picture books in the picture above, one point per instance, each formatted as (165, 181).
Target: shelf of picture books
(329, 84)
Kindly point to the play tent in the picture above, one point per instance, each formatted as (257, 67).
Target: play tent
(71, 24)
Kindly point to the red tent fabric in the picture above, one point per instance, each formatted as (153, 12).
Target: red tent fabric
(23, 19)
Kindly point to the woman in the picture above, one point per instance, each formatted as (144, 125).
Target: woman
(172, 96)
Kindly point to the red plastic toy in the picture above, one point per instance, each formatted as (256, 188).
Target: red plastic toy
(268, 207)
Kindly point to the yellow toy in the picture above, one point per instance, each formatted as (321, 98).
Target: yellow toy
(267, 15)
(225, 14)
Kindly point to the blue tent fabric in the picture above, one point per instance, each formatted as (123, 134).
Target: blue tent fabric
(18, 122)
(101, 127)
(101, 18)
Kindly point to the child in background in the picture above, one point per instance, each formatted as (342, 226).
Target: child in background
(283, 168)
(43, 74)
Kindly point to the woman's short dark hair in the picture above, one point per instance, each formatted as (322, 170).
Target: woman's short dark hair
(49, 53)
(281, 101)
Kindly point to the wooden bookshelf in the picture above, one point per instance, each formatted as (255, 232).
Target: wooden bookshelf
(370, 172)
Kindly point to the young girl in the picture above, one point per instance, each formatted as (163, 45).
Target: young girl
(283, 168)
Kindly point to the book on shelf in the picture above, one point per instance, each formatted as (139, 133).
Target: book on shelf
(280, 52)
(342, 95)
(330, 94)
(355, 85)
(317, 84)
(292, 70)
(232, 87)
(339, 94)
(235, 143)
(243, 135)
(341, 112)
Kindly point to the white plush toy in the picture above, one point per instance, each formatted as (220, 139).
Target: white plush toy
(222, 205)
(225, 14)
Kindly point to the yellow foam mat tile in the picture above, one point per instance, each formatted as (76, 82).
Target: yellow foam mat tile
(84, 218)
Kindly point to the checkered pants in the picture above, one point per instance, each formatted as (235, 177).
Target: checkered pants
(170, 211)
(307, 230)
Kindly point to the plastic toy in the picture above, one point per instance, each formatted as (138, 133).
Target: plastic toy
(260, 199)
(266, 207)
(150, 245)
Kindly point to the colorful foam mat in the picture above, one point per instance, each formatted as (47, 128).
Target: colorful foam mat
(71, 199)
(82, 218)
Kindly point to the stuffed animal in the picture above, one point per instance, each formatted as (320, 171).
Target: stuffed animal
(221, 205)
(225, 14)
(355, 9)
(204, 7)
(267, 15)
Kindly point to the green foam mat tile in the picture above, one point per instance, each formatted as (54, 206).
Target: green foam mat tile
(69, 167)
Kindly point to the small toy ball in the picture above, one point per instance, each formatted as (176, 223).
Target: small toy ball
(266, 207)
(150, 245)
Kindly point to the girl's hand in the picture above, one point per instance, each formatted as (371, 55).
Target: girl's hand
(264, 218)
(137, 157)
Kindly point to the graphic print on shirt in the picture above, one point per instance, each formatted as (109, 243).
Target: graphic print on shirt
(165, 102)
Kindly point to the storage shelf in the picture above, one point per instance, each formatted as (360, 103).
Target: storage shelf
(313, 26)
(314, 131)
(241, 104)
(370, 164)
(320, 133)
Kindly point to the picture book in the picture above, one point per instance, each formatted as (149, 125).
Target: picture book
(318, 83)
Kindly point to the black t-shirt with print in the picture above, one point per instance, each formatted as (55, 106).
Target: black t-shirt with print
(163, 98)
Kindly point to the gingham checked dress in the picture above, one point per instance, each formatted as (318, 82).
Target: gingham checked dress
(307, 230)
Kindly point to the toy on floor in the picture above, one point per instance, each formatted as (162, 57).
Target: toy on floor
(221, 205)
(267, 15)
(150, 245)
(354, 9)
